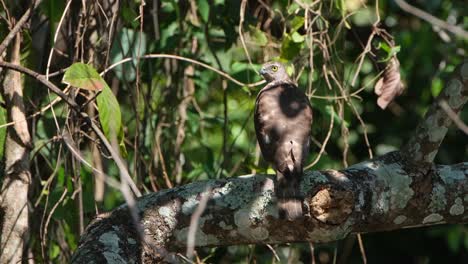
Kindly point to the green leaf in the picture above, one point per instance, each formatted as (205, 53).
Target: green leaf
(290, 69)
(84, 76)
(436, 87)
(292, 9)
(110, 116)
(389, 51)
(53, 9)
(258, 36)
(204, 9)
(296, 23)
(246, 89)
(129, 16)
(54, 251)
(290, 48)
(297, 38)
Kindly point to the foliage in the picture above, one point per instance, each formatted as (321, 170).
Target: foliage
(179, 122)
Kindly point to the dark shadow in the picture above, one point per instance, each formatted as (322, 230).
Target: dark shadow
(292, 101)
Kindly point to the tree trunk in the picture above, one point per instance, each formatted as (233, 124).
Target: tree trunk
(16, 176)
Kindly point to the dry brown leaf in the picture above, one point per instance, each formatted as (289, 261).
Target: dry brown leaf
(389, 86)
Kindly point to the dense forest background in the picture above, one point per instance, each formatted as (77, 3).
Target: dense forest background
(185, 121)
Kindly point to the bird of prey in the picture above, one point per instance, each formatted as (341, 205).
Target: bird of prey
(283, 118)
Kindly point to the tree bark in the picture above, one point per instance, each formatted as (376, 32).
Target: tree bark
(16, 176)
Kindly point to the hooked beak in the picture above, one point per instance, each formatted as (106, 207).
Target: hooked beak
(262, 71)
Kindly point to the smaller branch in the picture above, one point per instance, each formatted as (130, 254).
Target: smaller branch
(194, 223)
(57, 31)
(361, 248)
(425, 142)
(42, 79)
(163, 165)
(169, 56)
(325, 142)
(455, 118)
(366, 50)
(77, 154)
(241, 34)
(431, 19)
(7, 13)
(46, 226)
(39, 112)
(6, 41)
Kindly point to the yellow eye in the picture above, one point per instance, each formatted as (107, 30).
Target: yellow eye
(274, 68)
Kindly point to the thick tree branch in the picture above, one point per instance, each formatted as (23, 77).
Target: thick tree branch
(423, 146)
(371, 196)
(397, 190)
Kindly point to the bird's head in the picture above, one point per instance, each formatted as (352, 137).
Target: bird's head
(274, 71)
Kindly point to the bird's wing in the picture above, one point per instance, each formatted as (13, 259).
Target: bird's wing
(283, 117)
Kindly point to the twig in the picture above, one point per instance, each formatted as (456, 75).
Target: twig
(454, 116)
(361, 248)
(49, 60)
(366, 50)
(49, 181)
(6, 41)
(241, 34)
(7, 13)
(163, 165)
(74, 150)
(364, 127)
(169, 56)
(194, 222)
(432, 19)
(344, 133)
(324, 144)
(51, 53)
(274, 252)
(312, 252)
(62, 197)
(56, 100)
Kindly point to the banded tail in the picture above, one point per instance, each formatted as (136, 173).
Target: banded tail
(289, 197)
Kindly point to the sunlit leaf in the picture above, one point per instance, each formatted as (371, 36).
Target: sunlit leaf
(204, 9)
(297, 38)
(290, 48)
(110, 116)
(84, 76)
(296, 23)
(388, 50)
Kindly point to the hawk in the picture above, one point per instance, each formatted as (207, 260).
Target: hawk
(283, 118)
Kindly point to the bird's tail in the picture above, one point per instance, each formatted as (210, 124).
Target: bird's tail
(289, 197)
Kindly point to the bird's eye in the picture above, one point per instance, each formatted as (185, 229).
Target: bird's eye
(274, 68)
